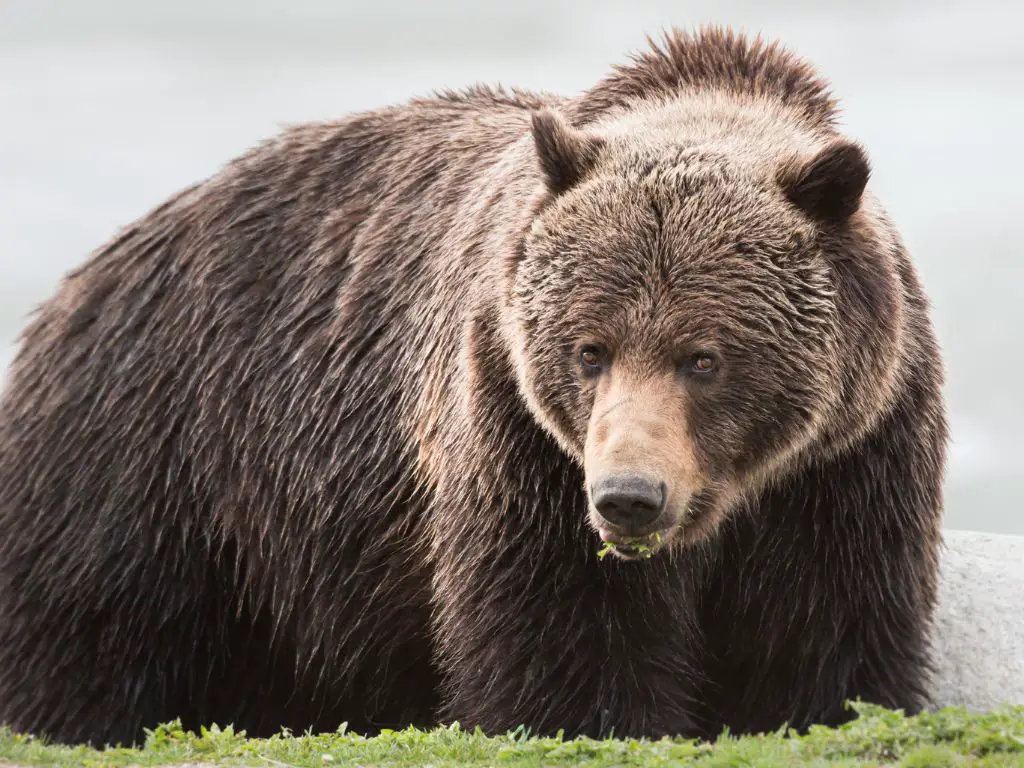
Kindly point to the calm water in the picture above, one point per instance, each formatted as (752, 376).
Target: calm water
(109, 106)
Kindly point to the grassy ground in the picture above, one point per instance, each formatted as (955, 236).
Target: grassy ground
(878, 737)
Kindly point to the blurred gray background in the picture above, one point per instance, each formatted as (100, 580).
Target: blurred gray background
(109, 106)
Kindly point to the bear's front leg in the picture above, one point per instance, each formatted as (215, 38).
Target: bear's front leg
(533, 628)
(825, 593)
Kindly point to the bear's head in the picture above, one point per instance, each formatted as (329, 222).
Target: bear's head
(679, 314)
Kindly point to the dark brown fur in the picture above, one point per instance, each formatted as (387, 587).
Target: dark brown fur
(305, 444)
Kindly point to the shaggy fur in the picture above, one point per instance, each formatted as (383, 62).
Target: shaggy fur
(305, 444)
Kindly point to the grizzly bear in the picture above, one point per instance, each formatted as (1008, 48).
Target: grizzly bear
(617, 414)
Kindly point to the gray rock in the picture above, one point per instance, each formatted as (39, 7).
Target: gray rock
(978, 637)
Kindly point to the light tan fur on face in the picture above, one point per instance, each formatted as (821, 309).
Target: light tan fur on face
(638, 426)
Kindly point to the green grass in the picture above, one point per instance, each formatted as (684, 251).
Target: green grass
(951, 737)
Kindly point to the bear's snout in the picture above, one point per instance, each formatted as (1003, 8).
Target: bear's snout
(640, 464)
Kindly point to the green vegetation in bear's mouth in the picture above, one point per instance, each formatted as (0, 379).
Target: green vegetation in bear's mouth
(639, 546)
(635, 547)
(951, 737)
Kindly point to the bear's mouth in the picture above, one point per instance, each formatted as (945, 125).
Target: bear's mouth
(629, 547)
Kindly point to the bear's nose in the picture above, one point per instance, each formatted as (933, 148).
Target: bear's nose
(630, 502)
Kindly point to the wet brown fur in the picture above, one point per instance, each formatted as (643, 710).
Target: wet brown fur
(305, 444)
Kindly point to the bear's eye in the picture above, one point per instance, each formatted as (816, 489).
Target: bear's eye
(703, 362)
(592, 358)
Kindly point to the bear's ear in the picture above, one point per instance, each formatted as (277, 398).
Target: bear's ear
(565, 153)
(829, 186)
